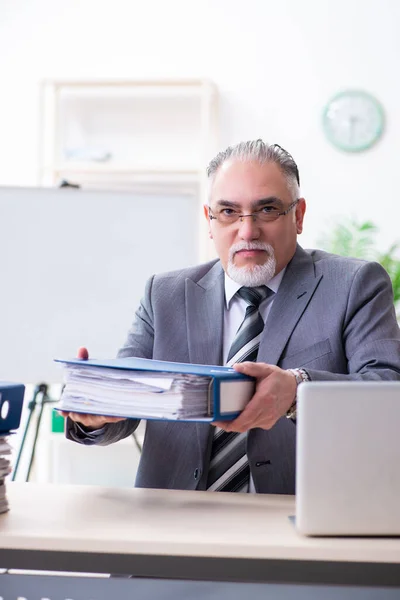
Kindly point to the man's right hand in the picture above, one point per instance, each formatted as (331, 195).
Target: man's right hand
(90, 421)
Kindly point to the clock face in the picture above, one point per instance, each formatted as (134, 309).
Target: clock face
(353, 121)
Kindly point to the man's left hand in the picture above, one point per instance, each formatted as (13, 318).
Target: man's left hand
(274, 395)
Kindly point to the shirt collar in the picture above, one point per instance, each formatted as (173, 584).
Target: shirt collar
(231, 287)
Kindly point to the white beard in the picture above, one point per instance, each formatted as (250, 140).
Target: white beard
(252, 275)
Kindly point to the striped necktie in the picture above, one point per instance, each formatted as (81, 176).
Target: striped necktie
(229, 468)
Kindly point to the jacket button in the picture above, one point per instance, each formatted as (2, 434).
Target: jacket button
(196, 474)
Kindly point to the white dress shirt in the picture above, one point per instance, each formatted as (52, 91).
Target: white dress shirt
(234, 312)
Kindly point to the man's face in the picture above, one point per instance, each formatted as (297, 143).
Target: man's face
(248, 187)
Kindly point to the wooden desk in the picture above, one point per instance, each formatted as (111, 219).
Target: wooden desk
(182, 535)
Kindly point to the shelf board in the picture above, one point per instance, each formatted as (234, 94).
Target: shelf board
(131, 88)
(73, 167)
(128, 82)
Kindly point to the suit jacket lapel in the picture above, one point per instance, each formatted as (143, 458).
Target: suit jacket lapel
(295, 292)
(204, 317)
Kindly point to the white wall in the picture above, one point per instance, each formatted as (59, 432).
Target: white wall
(276, 63)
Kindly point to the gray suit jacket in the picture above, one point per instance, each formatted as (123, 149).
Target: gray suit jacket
(333, 316)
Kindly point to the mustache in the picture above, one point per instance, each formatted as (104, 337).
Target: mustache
(250, 246)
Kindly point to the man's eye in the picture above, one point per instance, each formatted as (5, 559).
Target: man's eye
(269, 209)
(228, 212)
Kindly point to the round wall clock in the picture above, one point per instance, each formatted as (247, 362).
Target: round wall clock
(353, 120)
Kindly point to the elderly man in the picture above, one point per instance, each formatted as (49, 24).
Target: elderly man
(277, 312)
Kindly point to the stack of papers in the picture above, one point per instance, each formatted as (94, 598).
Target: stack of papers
(5, 469)
(141, 388)
(121, 393)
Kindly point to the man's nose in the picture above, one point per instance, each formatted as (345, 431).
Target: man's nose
(249, 228)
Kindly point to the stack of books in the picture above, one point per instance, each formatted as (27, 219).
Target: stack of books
(154, 389)
(5, 469)
(11, 401)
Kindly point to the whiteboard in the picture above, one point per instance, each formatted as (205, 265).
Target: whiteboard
(73, 266)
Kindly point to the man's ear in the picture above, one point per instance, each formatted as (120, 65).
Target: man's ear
(300, 212)
(207, 216)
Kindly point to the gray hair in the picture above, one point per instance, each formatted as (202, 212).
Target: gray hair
(259, 151)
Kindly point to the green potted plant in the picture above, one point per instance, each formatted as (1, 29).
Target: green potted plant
(352, 238)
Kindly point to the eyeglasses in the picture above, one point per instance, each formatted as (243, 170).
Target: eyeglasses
(266, 214)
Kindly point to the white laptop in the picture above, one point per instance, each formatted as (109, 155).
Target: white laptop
(348, 458)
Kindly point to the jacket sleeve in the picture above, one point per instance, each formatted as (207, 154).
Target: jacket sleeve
(371, 335)
(139, 343)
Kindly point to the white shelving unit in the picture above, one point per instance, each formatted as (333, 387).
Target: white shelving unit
(142, 136)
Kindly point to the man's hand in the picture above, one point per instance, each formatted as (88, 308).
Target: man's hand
(90, 421)
(274, 395)
(83, 353)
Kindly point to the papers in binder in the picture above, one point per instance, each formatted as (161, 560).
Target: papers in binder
(142, 388)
